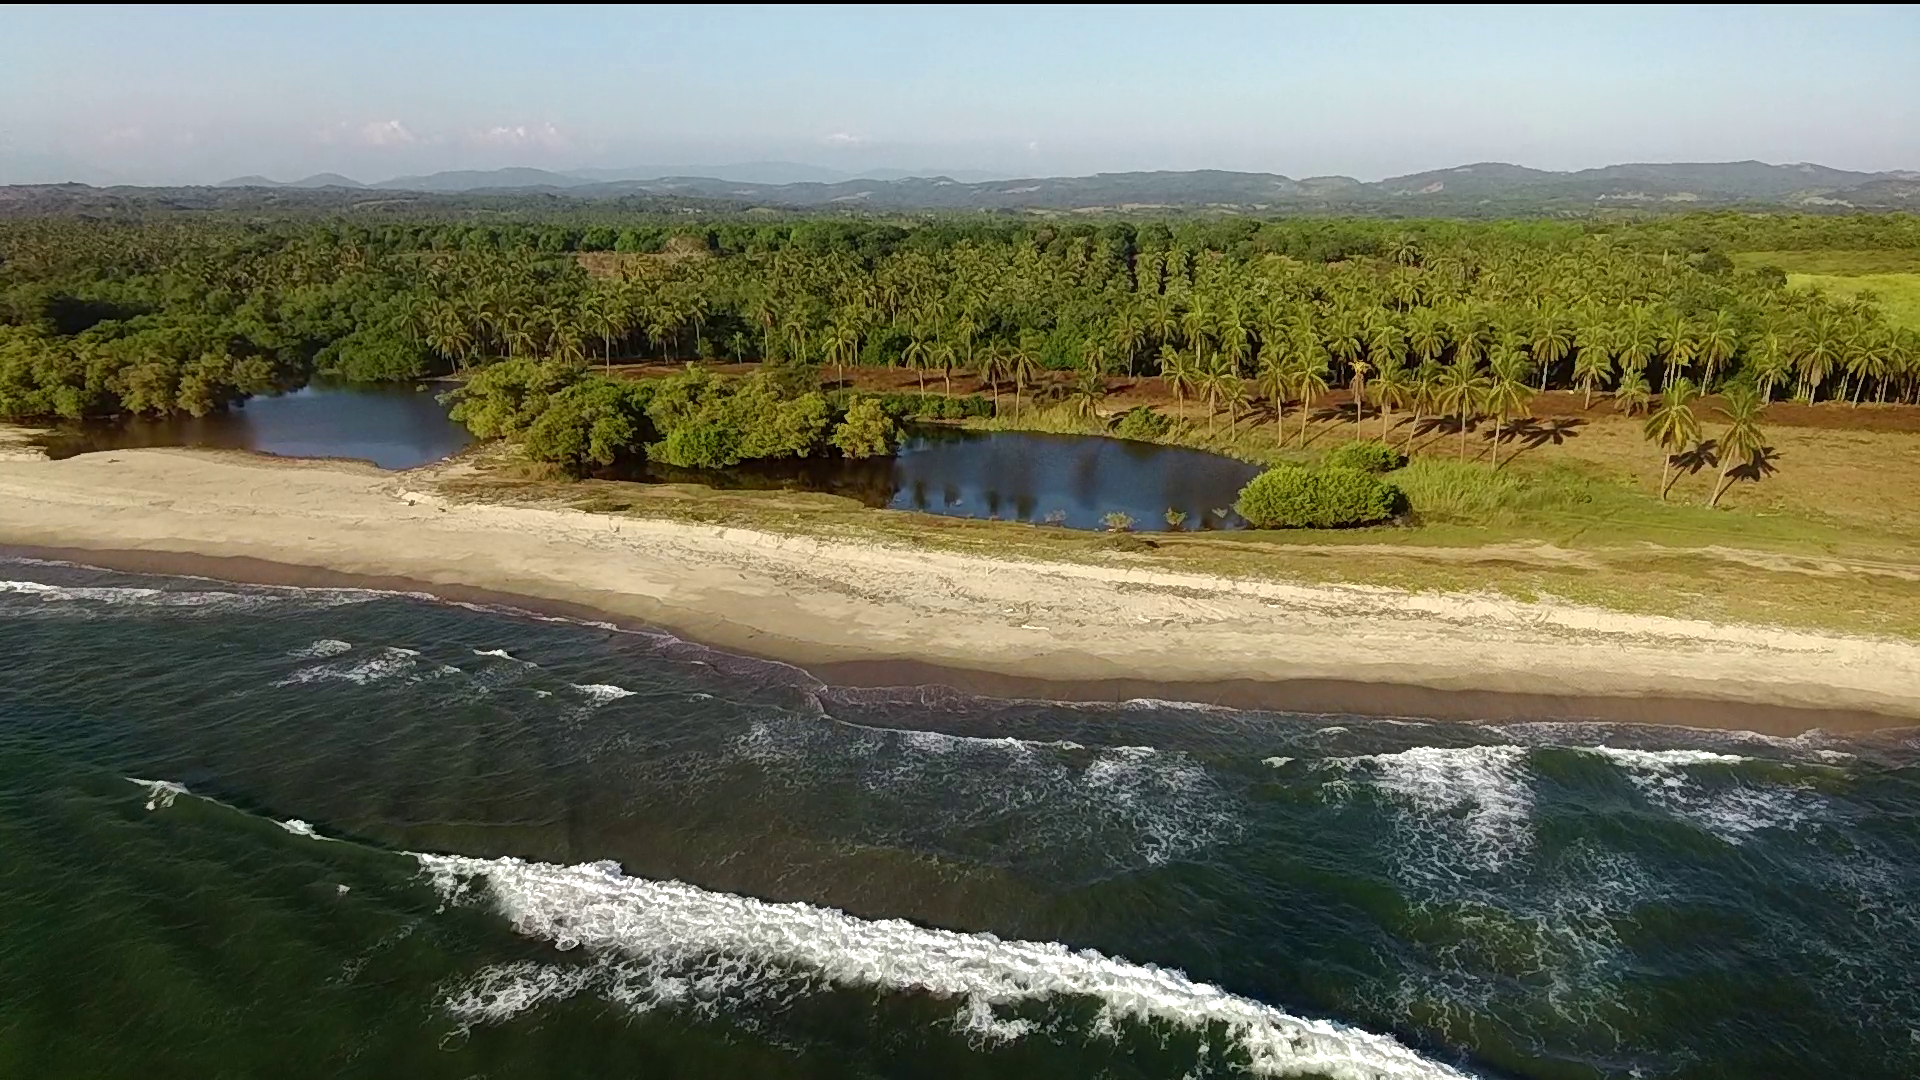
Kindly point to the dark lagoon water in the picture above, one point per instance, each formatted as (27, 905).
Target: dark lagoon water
(394, 426)
(336, 833)
(1070, 480)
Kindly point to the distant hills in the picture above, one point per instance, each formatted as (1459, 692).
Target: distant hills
(1479, 190)
(1463, 188)
(757, 173)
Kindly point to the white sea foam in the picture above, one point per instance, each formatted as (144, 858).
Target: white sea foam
(388, 663)
(1661, 760)
(601, 693)
(1116, 809)
(1733, 810)
(160, 793)
(322, 649)
(206, 600)
(653, 943)
(503, 654)
(1276, 761)
(301, 828)
(1481, 795)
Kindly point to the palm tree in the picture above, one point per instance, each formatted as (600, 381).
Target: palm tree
(946, 356)
(1460, 390)
(1591, 367)
(1178, 374)
(1550, 343)
(843, 343)
(1770, 364)
(1129, 333)
(1718, 341)
(1681, 346)
(1308, 379)
(1023, 362)
(1507, 394)
(1275, 378)
(993, 366)
(916, 354)
(1673, 426)
(1635, 342)
(1358, 387)
(1632, 392)
(1088, 392)
(1212, 380)
(1393, 387)
(1426, 334)
(1233, 394)
(1742, 439)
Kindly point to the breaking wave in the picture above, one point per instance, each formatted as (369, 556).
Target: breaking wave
(654, 944)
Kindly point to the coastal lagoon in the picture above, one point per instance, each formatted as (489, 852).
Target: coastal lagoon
(1075, 481)
(339, 832)
(392, 425)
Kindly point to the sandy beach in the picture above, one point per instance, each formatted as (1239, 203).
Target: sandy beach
(862, 614)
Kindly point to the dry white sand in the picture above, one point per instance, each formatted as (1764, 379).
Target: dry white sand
(813, 601)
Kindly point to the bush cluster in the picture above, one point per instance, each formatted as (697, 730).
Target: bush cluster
(1143, 424)
(1367, 455)
(696, 420)
(1291, 497)
(906, 407)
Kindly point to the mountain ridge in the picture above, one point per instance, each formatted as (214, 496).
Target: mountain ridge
(1474, 189)
(1715, 183)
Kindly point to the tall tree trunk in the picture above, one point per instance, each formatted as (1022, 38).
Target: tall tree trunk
(1463, 436)
(1494, 466)
(1666, 469)
(1720, 485)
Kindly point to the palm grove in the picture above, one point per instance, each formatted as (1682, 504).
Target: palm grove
(1424, 323)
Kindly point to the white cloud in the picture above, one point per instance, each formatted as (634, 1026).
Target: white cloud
(371, 133)
(385, 133)
(520, 135)
(845, 138)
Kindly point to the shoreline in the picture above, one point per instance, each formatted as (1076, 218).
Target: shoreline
(855, 613)
(1329, 697)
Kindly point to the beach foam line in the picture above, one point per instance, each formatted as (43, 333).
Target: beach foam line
(650, 934)
(141, 596)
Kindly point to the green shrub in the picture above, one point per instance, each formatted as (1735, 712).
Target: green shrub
(1367, 455)
(1143, 424)
(905, 407)
(503, 401)
(867, 430)
(596, 421)
(1290, 497)
(1439, 489)
(700, 444)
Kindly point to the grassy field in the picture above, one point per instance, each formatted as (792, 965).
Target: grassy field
(1831, 540)
(1893, 277)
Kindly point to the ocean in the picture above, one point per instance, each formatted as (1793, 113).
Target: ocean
(256, 831)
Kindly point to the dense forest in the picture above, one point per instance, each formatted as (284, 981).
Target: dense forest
(195, 314)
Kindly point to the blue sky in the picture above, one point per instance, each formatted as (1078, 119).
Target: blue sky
(185, 95)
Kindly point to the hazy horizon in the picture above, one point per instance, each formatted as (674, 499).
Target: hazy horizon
(152, 96)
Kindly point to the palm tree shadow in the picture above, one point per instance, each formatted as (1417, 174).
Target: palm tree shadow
(1704, 455)
(1758, 467)
(1532, 433)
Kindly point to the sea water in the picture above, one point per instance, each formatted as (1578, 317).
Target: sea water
(250, 831)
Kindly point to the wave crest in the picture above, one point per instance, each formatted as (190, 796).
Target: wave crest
(647, 935)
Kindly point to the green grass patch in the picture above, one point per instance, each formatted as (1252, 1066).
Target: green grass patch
(1833, 263)
(1897, 294)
